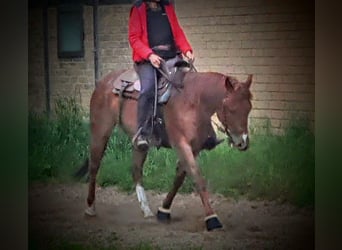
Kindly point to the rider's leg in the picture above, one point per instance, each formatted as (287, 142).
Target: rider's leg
(147, 77)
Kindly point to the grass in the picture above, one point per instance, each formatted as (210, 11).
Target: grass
(274, 167)
(58, 144)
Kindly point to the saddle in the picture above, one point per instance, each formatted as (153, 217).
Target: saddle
(127, 85)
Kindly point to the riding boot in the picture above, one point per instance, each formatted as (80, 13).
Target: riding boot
(147, 75)
(159, 131)
(212, 140)
(145, 106)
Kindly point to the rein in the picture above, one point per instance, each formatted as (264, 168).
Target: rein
(121, 94)
(225, 121)
(192, 66)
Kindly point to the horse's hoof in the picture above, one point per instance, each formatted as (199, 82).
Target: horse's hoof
(212, 222)
(164, 215)
(148, 213)
(90, 211)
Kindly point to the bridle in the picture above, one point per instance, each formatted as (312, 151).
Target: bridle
(225, 120)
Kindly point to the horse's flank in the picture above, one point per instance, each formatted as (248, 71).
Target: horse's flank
(104, 101)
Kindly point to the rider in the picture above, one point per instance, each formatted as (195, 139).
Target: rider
(154, 35)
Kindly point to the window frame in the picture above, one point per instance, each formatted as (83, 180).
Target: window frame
(76, 9)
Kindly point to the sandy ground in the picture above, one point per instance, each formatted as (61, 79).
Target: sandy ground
(56, 215)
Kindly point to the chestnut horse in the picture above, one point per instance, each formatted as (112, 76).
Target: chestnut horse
(187, 117)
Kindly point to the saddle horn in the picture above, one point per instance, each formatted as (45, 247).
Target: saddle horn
(182, 64)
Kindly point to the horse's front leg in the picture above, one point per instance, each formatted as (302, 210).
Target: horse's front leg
(164, 211)
(139, 158)
(188, 158)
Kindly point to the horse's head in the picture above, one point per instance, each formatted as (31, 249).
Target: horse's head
(234, 111)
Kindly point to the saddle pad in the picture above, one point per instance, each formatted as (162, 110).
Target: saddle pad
(129, 77)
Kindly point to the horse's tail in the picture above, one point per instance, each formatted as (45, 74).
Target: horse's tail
(82, 171)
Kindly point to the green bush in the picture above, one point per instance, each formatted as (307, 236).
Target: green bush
(57, 144)
(274, 167)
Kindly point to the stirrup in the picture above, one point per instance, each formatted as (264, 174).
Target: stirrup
(140, 142)
(136, 135)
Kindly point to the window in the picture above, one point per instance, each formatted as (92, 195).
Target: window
(70, 31)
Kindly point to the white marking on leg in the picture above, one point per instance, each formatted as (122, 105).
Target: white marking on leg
(90, 211)
(143, 201)
(244, 137)
(164, 210)
(210, 217)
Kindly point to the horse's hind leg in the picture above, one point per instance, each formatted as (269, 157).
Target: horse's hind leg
(139, 158)
(101, 129)
(164, 211)
(98, 146)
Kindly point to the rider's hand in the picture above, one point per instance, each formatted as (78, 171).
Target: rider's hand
(190, 56)
(155, 60)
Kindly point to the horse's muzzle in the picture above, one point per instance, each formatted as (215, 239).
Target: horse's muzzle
(240, 142)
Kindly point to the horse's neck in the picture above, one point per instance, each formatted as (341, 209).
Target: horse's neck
(210, 88)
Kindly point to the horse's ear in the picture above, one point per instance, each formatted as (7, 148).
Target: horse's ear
(229, 84)
(249, 80)
(233, 82)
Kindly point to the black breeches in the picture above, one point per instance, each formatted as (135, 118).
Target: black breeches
(147, 75)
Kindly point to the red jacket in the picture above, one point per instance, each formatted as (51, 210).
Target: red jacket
(137, 32)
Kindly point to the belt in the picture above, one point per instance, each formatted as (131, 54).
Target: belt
(162, 47)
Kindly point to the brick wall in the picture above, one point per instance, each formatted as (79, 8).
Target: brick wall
(36, 87)
(68, 77)
(115, 52)
(273, 40)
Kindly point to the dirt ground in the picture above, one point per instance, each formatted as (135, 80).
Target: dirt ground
(56, 214)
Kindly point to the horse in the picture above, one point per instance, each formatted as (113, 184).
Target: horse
(187, 117)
